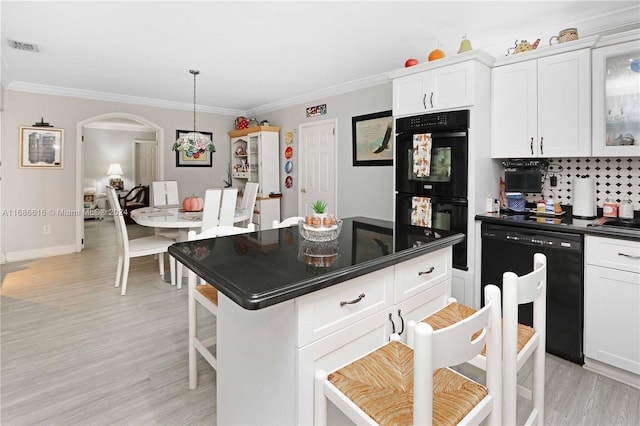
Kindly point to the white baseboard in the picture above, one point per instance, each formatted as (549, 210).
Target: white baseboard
(612, 372)
(17, 256)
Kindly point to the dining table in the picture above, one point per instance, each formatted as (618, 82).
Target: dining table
(169, 218)
(173, 217)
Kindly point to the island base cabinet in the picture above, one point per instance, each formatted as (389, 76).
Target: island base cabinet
(256, 354)
(612, 320)
(333, 352)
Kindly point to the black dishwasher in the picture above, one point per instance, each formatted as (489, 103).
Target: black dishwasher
(511, 248)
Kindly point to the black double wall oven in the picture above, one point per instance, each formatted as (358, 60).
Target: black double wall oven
(431, 176)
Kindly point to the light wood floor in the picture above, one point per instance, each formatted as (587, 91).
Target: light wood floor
(75, 352)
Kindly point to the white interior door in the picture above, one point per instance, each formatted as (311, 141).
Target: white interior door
(145, 162)
(317, 171)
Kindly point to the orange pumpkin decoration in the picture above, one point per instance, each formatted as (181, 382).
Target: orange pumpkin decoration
(436, 54)
(192, 204)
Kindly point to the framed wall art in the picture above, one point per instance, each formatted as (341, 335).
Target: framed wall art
(41, 147)
(193, 159)
(373, 139)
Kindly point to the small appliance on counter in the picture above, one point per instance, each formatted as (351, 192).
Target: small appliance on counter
(584, 197)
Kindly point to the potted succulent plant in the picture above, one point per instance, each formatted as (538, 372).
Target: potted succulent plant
(319, 207)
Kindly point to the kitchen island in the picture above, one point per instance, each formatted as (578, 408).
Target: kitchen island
(288, 306)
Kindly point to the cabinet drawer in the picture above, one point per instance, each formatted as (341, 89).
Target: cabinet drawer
(419, 274)
(321, 313)
(613, 253)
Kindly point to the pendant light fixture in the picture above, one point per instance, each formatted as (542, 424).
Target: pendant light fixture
(193, 143)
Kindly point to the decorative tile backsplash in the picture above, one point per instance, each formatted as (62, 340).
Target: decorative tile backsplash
(615, 178)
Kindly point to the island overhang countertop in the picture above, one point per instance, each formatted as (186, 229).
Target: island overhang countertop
(263, 268)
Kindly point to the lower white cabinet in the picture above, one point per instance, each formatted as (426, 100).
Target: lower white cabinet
(612, 303)
(267, 358)
(333, 333)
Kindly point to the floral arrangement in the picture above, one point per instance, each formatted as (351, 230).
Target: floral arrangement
(194, 144)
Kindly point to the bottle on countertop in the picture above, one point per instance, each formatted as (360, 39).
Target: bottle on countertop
(625, 209)
(489, 204)
(549, 205)
(609, 208)
(540, 206)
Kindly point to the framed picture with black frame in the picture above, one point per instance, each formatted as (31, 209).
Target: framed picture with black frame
(373, 139)
(191, 159)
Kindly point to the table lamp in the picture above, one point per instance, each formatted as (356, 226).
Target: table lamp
(115, 175)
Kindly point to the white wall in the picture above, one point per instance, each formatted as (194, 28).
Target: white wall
(31, 198)
(362, 191)
(103, 147)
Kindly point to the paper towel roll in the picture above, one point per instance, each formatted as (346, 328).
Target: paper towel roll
(584, 197)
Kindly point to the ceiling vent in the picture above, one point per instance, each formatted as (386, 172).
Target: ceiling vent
(20, 45)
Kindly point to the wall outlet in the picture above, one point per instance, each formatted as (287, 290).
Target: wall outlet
(46, 229)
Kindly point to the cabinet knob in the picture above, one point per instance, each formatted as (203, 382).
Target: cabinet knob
(303, 190)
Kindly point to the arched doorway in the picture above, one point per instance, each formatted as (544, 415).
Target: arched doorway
(80, 155)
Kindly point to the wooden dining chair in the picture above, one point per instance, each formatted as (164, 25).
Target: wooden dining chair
(293, 220)
(205, 295)
(520, 342)
(244, 213)
(137, 247)
(136, 198)
(399, 385)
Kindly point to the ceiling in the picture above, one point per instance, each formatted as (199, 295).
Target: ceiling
(256, 55)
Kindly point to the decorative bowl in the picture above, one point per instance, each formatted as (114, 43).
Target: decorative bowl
(318, 254)
(320, 233)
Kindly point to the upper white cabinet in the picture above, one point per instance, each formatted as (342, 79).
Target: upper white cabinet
(616, 99)
(542, 107)
(440, 85)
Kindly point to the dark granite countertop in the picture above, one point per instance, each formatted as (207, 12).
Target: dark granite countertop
(564, 223)
(263, 268)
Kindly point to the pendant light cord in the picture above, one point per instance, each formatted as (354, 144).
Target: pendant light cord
(195, 73)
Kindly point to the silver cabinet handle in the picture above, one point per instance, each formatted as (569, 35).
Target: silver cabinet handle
(401, 322)
(393, 324)
(431, 99)
(531, 146)
(632, 256)
(424, 101)
(426, 272)
(541, 150)
(351, 302)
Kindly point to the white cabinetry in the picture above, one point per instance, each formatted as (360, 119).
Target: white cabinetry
(616, 90)
(542, 107)
(442, 88)
(440, 85)
(254, 158)
(332, 333)
(612, 307)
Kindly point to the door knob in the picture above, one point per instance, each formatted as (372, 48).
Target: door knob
(303, 190)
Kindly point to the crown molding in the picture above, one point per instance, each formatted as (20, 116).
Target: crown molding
(112, 97)
(338, 89)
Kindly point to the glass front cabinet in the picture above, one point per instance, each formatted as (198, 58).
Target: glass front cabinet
(616, 99)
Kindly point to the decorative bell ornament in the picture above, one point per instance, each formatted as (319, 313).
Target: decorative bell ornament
(465, 45)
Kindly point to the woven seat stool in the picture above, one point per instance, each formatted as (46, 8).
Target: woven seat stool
(397, 385)
(520, 342)
(206, 296)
